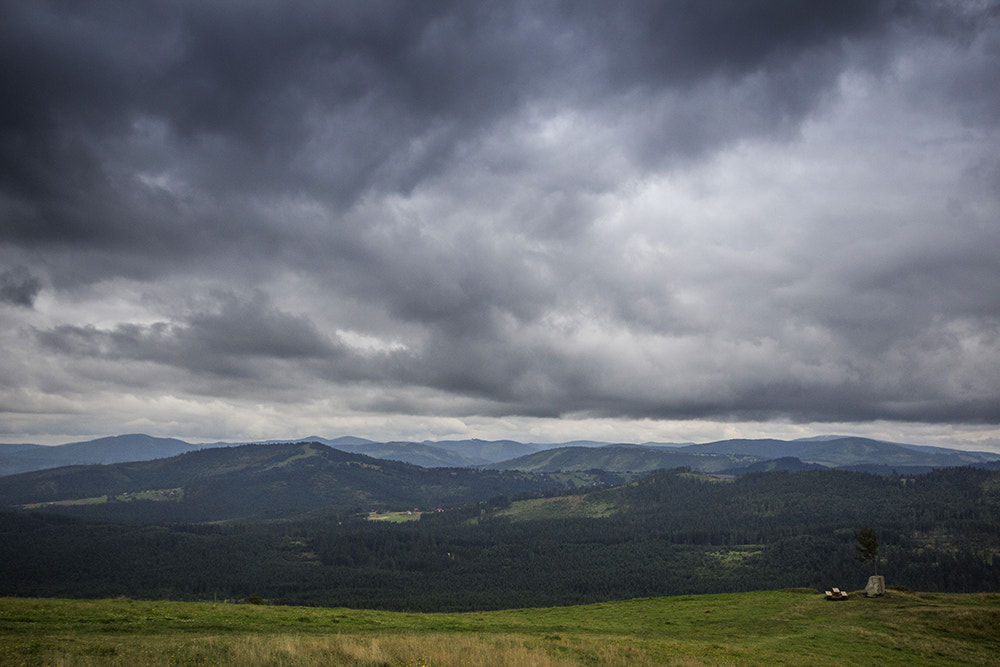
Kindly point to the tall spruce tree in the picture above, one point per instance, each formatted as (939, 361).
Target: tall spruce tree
(867, 546)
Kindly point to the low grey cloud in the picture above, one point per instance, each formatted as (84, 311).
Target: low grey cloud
(420, 213)
(227, 337)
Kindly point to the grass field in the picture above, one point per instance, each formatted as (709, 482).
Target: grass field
(765, 628)
(395, 517)
(155, 495)
(560, 507)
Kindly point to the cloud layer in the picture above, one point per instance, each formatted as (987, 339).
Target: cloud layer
(414, 219)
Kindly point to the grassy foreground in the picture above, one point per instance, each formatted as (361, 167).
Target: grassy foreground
(765, 628)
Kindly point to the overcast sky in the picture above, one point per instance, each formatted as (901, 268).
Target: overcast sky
(629, 221)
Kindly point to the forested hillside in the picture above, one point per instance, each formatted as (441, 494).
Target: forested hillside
(257, 482)
(675, 532)
(622, 458)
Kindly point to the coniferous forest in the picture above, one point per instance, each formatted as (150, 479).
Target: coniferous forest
(671, 533)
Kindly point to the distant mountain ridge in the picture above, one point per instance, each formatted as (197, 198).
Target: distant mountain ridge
(113, 449)
(725, 455)
(845, 451)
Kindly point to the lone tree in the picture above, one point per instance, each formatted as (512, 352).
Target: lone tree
(867, 546)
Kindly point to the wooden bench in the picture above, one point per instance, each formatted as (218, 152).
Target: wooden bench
(836, 594)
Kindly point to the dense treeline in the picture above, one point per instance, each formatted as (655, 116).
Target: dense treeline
(675, 533)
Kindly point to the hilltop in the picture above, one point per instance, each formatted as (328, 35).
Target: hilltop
(763, 628)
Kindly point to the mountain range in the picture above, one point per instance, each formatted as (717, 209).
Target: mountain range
(294, 523)
(309, 523)
(142, 478)
(724, 456)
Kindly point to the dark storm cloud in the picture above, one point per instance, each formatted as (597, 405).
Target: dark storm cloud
(242, 90)
(518, 208)
(19, 287)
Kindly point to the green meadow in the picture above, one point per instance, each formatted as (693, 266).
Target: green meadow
(395, 517)
(797, 627)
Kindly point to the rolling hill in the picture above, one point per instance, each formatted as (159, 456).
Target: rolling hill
(255, 482)
(741, 456)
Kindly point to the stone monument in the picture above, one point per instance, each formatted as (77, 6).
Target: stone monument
(875, 587)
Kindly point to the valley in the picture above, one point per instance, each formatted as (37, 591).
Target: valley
(298, 551)
(291, 523)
